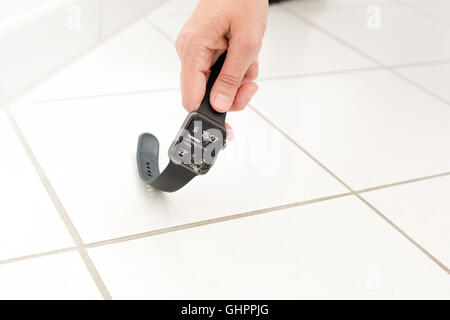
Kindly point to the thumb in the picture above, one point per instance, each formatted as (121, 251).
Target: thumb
(240, 56)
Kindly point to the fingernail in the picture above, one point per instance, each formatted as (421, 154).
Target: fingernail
(222, 102)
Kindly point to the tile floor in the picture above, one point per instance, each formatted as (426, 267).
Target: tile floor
(345, 194)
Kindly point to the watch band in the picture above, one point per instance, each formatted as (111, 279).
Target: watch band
(174, 176)
(171, 179)
(206, 108)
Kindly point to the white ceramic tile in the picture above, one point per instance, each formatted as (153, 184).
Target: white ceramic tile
(62, 276)
(305, 50)
(171, 16)
(336, 249)
(433, 77)
(422, 210)
(439, 9)
(88, 149)
(333, 4)
(117, 13)
(293, 47)
(137, 59)
(32, 48)
(17, 8)
(369, 128)
(405, 35)
(29, 223)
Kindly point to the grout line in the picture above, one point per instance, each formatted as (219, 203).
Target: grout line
(101, 40)
(407, 237)
(23, 92)
(60, 209)
(132, 21)
(356, 70)
(300, 147)
(395, 184)
(218, 220)
(37, 255)
(99, 96)
(84, 52)
(404, 234)
(420, 64)
(419, 86)
(322, 73)
(36, 12)
(364, 54)
(157, 6)
(293, 76)
(161, 31)
(214, 221)
(331, 35)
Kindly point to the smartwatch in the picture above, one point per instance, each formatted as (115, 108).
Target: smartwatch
(193, 151)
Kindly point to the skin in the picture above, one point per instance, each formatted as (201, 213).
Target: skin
(215, 26)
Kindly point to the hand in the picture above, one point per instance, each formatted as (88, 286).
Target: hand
(215, 26)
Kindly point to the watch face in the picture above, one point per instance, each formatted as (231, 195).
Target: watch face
(198, 143)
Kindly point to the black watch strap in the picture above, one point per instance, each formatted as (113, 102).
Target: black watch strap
(174, 176)
(206, 108)
(171, 179)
